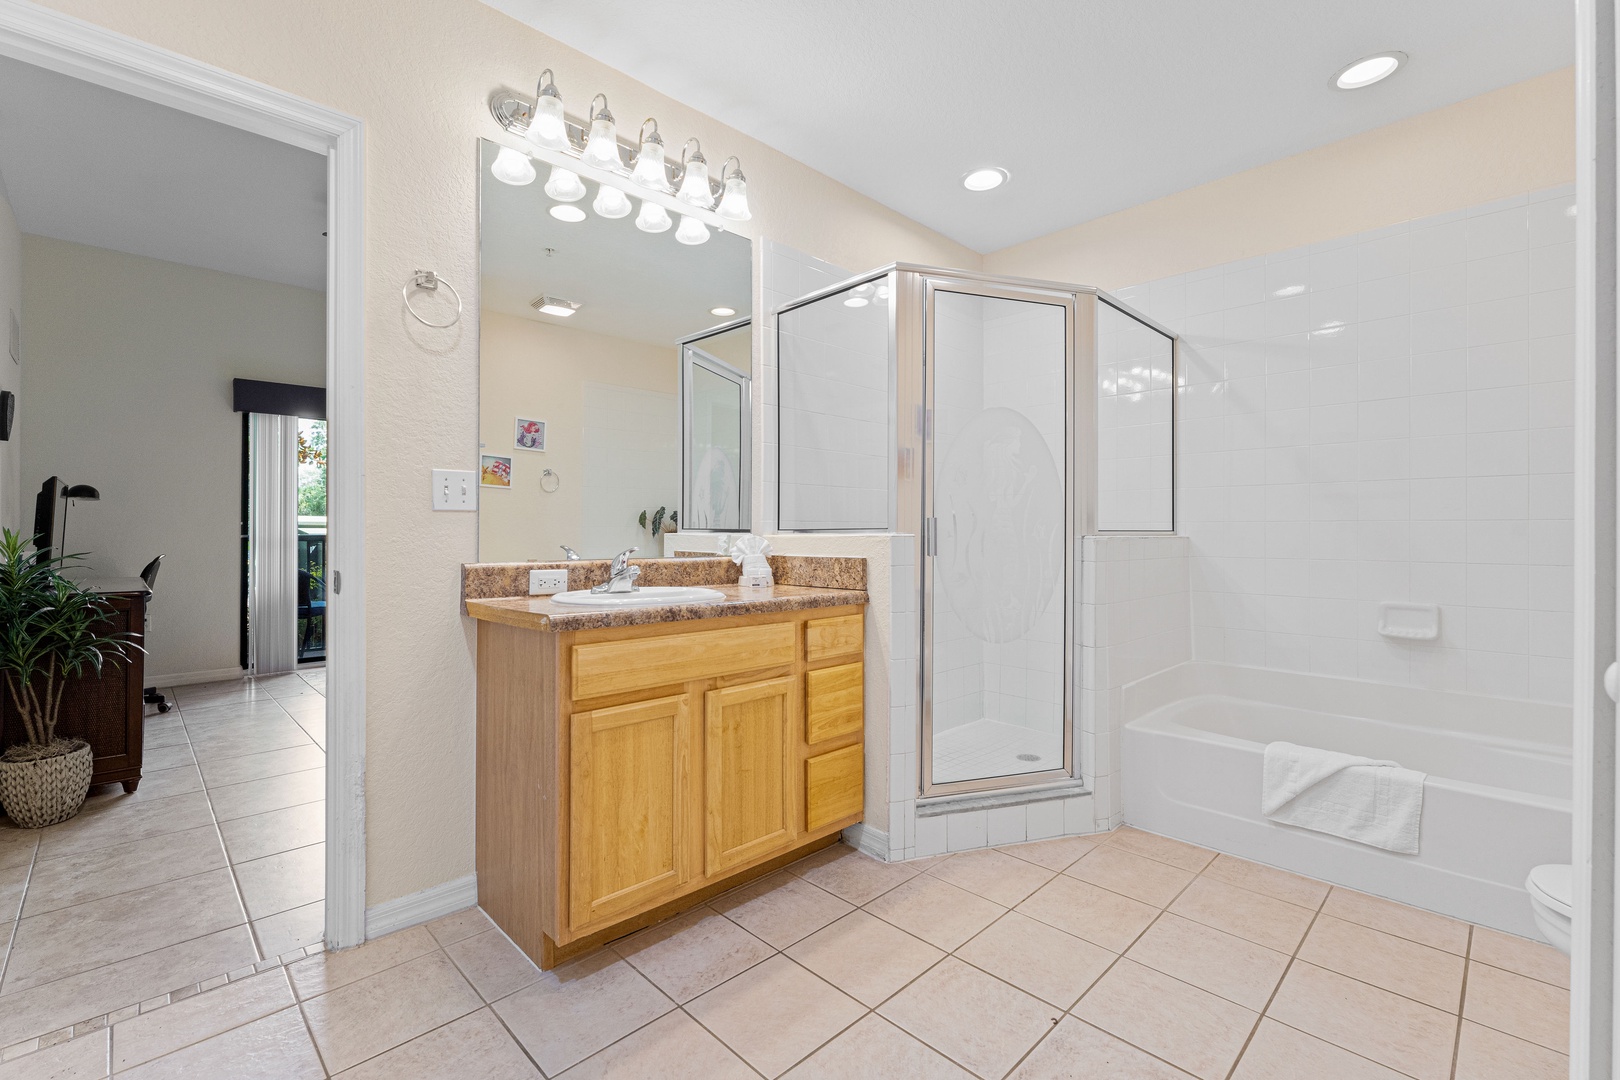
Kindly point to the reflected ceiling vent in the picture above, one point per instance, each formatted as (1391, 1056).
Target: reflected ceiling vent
(554, 305)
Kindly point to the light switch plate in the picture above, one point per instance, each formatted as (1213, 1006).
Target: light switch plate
(546, 582)
(455, 489)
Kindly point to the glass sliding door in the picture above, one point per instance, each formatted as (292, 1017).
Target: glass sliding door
(717, 423)
(997, 538)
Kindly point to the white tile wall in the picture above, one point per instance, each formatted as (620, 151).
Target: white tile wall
(1385, 417)
(1133, 424)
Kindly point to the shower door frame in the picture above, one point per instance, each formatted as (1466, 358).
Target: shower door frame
(693, 355)
(917, 289)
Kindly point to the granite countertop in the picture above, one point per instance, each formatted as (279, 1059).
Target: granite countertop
(539, 613)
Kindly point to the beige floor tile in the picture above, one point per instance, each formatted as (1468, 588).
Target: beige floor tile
(975, 1019)
(221, 741)
(1278, 1052)
(673, 1047)
(100, 990)
(781, 909)
(72, 940)
(1414, 924)
(1519, 955)
(999, 878)
(1084, 910)
(1224, 964)
(575, 1010)
(936, 911)
(330, 970)
(381, 1011)
(271, 833)
(493, 965)
(1273, 923)
(449, 929)
(224, 711)
(876, 1048)
(82, 1059)
(1057, 854)
(13, 883)
(117, 824)
(1432, 976)
(282, 882)
(154, 737)
(239, 770)
(1403, 1034)
(1038, 959)
(1190, 1028)
(16, 845)
(692, 953)
(76, 879)
(271, 793)
(1077, 1051)
(849, 874)
(474, 1046)
(1278, 884)
(292, 929)
(201, 1016)
(1524, 1007)
(167, 757)
(865, 957)
(1119, 870)
(774, 1014)
(274, 1048)
(1163, 848)
(159, 783)
(1487, 1054)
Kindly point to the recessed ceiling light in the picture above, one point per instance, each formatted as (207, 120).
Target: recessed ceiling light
(1368, 70)
(723, 312)
(555, 305)
(567, 212)
(984, 179)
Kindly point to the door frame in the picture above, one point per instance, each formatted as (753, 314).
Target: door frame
(69, 46)
(694, 356)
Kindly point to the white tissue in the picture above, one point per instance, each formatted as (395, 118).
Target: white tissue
(748, 551)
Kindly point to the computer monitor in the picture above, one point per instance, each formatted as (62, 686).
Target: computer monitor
(48, 519)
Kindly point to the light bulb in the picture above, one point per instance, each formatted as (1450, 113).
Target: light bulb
(564, 186)
(695, 177)
(567, 212)
(984, 179)
(602, 146)
(734, 202)
(692, 231)
(653, 218)
(649, 170)
(547, 127)
(1368, 70)
(610, 202)
(512, 167)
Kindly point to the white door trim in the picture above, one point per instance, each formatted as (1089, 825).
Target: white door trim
(52, 40)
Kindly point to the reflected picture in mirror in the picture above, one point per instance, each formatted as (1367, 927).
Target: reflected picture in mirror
(636, 350)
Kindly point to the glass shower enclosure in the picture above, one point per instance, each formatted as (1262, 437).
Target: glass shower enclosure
(975, 415)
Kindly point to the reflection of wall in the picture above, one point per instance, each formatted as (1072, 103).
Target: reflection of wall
(611, 423)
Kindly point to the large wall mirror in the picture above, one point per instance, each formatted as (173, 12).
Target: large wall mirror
(614, 378)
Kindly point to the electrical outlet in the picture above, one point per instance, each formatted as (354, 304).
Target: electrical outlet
(546, 582)
(455, 489)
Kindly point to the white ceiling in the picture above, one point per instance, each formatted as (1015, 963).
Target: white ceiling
(95, 166)
(1092, 105)
(631, 284)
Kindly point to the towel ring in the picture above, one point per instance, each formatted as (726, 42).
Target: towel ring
(556, 481)
(429, 281)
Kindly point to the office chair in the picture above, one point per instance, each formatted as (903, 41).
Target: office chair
(311, 606)
(149, 575)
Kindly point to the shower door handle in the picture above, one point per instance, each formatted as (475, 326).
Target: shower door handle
(1611, 682)
(931, 536)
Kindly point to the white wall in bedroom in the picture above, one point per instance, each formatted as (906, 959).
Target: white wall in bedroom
(11, 500)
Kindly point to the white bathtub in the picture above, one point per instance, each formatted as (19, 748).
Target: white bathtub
(1496, 802)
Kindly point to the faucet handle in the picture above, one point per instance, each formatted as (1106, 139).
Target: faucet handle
(622, 559)
(572, 555)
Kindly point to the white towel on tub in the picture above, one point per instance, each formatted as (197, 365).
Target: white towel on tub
(1371, 802)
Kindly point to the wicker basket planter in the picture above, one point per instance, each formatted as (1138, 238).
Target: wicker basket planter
(48, 784)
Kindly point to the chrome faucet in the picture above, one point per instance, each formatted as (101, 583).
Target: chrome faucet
(573, 556)
(621, 575)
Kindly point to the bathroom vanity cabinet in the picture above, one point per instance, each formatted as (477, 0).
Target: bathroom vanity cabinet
(626, 772)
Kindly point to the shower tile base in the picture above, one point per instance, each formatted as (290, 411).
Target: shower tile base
(985, 748)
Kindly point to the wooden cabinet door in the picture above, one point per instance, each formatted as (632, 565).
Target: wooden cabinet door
(631, 788)
(750, 742)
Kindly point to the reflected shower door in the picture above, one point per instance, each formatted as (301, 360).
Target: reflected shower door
(996, 543)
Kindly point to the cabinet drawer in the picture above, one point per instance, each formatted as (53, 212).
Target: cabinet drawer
(616, 667)
(827, 638)
(834, 786)
(834, 702)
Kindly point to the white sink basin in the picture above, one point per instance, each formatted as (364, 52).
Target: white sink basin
(648, 596)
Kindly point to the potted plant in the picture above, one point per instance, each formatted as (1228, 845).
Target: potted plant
(51, 632)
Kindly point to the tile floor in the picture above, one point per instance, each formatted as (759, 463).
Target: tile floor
(215, 862)
(1118, 956)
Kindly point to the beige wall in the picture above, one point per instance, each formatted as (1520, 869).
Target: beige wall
(128, 389)
(1517, 139)
(420, 76)
(539, 371)
(15, 512)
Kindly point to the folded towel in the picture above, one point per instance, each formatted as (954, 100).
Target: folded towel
(1371, 802)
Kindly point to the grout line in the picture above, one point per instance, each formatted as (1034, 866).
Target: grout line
(219, 835)
(1462, 1000)
(1272, 997)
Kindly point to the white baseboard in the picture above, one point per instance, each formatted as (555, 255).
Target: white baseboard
(868, 840)
(191, 678)
(421, 907)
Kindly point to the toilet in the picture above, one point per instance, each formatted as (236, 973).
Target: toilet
(1551, 888)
